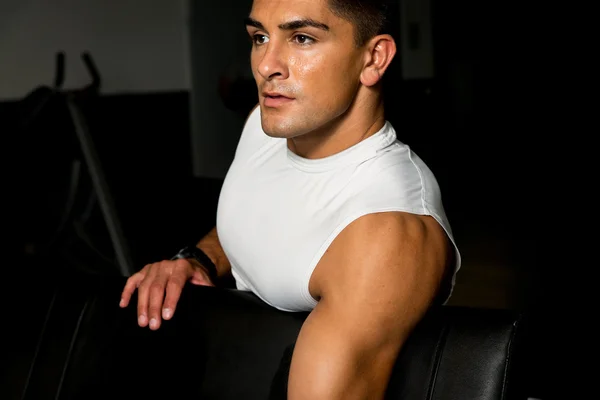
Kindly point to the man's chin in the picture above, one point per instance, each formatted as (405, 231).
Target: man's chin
(278, 127)
(278, 133)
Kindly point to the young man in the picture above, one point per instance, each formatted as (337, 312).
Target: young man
(323, 209)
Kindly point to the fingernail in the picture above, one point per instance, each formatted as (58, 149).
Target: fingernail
(142, 320)
(122, 303)
(153, 323)
(167, 313)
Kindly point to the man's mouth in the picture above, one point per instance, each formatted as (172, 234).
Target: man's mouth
(276, 100)
(274, 94)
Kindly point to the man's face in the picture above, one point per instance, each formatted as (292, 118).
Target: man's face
(305, 63)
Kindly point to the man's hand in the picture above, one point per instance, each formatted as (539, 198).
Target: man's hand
(159, 287)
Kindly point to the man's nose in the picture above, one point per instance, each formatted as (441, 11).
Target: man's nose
(273, 65)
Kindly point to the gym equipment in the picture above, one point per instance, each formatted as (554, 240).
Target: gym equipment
(227, 344)
(66, 208)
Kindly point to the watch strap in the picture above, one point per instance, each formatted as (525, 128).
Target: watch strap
(197, 254)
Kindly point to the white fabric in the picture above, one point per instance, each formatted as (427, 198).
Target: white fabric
(278, 212)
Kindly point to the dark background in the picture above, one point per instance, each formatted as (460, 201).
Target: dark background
(467, 121)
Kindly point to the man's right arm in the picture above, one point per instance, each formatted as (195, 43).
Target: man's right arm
(211, 246)
(159, 285)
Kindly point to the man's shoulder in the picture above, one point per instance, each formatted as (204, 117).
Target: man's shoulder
(374, 244)
(395, 178)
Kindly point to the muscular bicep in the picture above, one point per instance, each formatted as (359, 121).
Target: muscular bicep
(377, 281)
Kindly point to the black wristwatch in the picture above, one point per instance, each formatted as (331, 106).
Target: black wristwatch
(198, 255)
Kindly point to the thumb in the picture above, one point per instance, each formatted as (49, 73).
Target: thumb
(200, 277)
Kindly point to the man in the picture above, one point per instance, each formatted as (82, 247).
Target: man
(323, 209)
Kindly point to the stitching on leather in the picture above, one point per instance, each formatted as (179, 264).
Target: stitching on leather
(508, 360)
(39, 345)
(439, 349)
(71, 346)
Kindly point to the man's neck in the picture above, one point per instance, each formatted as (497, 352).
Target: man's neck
(354, 126)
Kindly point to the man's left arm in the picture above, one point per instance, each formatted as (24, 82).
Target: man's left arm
(376, 281)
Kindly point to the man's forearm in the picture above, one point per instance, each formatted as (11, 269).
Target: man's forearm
(211, 245)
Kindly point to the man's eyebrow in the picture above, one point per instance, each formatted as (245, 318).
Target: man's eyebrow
(249, 21)
(295, 24)
(303, 23)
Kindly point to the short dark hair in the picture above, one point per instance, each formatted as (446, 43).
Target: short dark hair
(369, 17)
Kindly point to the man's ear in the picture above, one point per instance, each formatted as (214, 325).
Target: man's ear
(380, 52)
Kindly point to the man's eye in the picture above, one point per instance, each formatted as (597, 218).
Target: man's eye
(303, 39)
(260, 39)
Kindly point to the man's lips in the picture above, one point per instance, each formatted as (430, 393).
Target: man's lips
(275, 94)
(275, 100)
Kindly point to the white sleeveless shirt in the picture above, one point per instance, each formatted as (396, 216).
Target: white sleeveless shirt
(278, 212)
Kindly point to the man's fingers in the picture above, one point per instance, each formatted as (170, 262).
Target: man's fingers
(159, 288)
(130, 286)
(174, 288)
(143, 300)
(156, 296)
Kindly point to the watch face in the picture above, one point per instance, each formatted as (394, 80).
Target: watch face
(188, 252)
